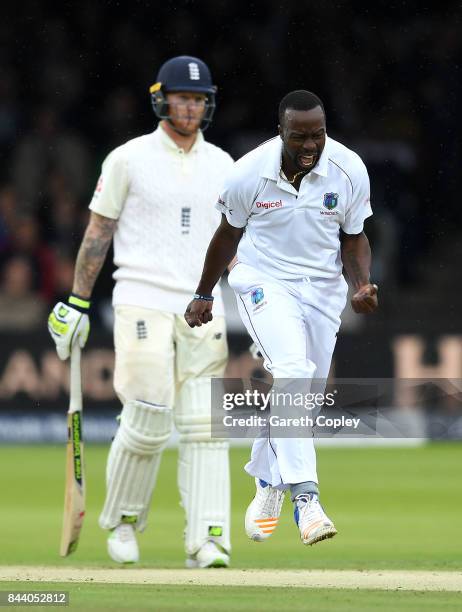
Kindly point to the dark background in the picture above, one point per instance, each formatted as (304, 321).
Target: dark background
(74, 84)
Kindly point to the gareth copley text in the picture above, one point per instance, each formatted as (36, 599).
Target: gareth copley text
(278, 421)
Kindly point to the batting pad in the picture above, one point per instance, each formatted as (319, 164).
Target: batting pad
(203, 470)
(134, 461)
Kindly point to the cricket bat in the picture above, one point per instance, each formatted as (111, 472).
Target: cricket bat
(74, 495)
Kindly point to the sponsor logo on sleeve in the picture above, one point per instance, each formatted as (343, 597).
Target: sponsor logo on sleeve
(99, 187)
(222, 203)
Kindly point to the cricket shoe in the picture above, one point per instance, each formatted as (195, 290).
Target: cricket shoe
(311, 519)
(122, 545)
(262, 515)
(210, 555)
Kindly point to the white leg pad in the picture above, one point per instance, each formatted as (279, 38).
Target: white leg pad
(134, 461)
(203, 470)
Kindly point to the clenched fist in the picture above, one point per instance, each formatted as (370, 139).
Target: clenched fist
(198, 312)
(365, 299)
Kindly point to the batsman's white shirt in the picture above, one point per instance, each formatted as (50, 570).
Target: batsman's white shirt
(295, 234)
(164, 201)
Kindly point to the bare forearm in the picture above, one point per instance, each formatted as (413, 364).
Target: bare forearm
(356, 259)
(221, 251)
(92, 253)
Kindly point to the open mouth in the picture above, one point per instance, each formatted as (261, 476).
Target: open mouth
(306, 161)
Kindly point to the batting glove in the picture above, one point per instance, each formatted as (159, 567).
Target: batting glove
(69, 323)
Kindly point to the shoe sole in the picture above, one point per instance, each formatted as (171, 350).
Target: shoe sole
(217, 563)
(321, 534)
(122, 561)
(193, 564)
(256, 537)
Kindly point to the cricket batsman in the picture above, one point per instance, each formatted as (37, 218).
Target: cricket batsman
(155, 198)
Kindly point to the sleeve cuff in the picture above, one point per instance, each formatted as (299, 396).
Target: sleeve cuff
(356, 228)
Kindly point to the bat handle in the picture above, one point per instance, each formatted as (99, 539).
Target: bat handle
(75, 403)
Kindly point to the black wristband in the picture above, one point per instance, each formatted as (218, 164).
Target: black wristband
(206, 298)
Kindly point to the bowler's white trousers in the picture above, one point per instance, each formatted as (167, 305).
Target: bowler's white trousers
(295, 325)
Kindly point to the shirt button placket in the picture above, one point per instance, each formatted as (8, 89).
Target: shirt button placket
(182, 159)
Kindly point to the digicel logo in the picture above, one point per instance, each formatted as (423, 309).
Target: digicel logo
(276, 204)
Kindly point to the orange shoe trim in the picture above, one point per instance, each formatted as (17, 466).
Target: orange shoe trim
(307, 532)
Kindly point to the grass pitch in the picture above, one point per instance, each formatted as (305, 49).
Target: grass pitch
(395, 508)
(167, 598)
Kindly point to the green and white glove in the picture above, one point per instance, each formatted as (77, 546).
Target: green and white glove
(69, 323)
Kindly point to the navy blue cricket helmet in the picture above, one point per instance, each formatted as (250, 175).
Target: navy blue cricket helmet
(183, 73)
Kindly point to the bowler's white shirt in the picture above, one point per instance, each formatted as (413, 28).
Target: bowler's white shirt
(292, 234)
(163, 199)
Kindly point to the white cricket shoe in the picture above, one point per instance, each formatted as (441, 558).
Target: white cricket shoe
(262, 515)
(122, 545)
(210, 555)
(311, 519)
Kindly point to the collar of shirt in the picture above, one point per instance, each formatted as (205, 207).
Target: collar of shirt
(171, 145)
(272, 166)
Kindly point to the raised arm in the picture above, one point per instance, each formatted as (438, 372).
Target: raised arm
(221, 251)
(356, 259)
(92, 253)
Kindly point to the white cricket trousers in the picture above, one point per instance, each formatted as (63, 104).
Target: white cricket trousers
(295, 325)
(157, 352)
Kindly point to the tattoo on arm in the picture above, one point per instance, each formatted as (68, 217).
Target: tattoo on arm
(92, 253)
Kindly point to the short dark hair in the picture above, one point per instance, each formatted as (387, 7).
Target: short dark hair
(300, 99)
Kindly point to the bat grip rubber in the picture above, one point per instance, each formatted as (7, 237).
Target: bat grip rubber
(75, 402)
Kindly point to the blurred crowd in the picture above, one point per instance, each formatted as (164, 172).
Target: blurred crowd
(74, 85)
